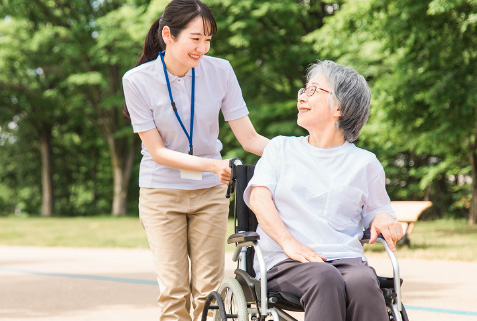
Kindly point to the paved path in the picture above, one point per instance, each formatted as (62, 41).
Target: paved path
(39, 284)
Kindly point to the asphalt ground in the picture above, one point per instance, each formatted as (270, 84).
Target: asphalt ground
(39, 284)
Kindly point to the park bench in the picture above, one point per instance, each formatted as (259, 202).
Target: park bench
(407, 213)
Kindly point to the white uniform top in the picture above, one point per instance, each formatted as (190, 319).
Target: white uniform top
(321, 195)
(149, 105)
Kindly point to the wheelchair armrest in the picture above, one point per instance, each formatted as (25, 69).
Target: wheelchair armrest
(367, 236)
(243, 237)
(396, 278)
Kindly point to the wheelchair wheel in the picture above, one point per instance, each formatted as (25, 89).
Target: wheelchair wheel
(234, 301)
(392, 314)
(404, 314)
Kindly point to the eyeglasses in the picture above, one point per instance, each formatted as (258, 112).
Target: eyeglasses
(311, 90)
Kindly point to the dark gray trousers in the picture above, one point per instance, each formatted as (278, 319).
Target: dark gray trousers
(339, 290)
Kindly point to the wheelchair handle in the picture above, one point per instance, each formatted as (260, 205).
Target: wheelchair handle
(231, 186)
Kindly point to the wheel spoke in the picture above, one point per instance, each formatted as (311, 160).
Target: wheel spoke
(234, 300)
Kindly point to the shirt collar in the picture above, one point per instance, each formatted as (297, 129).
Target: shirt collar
(173, 78)
(327, 152)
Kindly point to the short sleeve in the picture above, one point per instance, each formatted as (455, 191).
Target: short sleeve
(233, 105)
(142, 118)
(266, 170)
(378, 199)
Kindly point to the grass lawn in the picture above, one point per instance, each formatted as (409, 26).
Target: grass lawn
(442, 239)
(103, 231)
(438, 240)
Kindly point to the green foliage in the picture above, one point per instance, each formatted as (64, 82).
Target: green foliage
(263, 40)
(61, 64)
(19, 174)
(61, 72)
(419, 58)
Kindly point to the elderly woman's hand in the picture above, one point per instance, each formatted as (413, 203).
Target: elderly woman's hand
(385, 224)
(301, 253)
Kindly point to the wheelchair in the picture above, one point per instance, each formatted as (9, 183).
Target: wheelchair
(244, 298)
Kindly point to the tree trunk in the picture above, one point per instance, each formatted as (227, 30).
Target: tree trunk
(121, 148)
(473, 201)
(122, 163)
(95, 158)
(47, 208)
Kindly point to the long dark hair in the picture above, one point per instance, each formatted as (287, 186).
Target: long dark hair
(176, 15)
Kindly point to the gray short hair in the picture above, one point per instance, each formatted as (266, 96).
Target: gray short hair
(350, 92)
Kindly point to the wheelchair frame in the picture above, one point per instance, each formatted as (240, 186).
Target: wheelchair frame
(245, 285)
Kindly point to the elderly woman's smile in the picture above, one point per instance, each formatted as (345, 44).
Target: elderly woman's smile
(303, 110)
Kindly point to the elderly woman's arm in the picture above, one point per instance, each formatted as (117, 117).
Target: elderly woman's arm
(261, 203)
(385, 224)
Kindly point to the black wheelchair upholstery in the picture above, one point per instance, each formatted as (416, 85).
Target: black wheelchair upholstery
(246, 221)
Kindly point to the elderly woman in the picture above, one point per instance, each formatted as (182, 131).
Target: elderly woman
(313, 194)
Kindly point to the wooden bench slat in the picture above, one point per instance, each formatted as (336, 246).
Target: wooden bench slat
(409, 211)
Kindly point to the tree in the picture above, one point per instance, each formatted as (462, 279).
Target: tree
(30, 92)
(20, 171)
(112, 49)
(263, 40)
(420, 58)
(79, 51)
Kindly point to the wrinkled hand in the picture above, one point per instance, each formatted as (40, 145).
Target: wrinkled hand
(301, 253)
(223, 170)
(385, 224)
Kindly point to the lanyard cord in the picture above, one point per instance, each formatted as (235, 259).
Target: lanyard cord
(174, 108)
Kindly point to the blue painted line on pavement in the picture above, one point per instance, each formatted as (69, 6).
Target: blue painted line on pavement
(148, 282)
(411, 307)
(82, 276)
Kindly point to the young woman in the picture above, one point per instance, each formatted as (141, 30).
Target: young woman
(173, 97)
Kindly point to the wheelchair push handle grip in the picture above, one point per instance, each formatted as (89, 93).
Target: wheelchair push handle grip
(230, 188)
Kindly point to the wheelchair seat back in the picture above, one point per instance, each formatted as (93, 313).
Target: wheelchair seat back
(244, 218)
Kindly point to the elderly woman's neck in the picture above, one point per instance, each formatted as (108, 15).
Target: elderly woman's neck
(324, 139)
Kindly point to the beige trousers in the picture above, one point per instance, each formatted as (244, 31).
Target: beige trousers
(185, 227)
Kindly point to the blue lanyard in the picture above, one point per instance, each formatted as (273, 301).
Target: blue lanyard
(189, 137)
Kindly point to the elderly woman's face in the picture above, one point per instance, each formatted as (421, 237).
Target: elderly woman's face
(313, 103)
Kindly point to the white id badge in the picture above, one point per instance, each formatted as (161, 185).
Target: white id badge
(197, 176)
